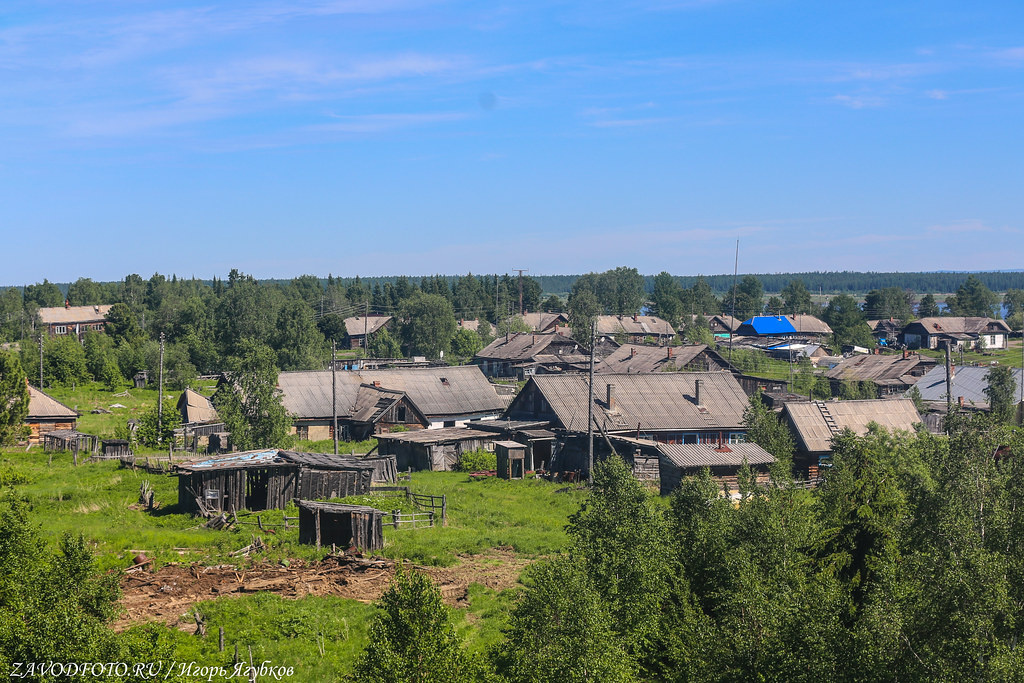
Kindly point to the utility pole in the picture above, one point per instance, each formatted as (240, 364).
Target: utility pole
(949, 385)
(366, 340)
(590, 406)
(40, 359)
(334, 393)
(160, 405)
(735, 271)
(521, 271)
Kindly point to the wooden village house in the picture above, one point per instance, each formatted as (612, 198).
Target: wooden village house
(968, 383)
(373, 401)
(815, 423)
(358, 329)
(47, 414)
(636, 329)
(634, 358)
(77, 320)
(522, 354)
(889, 374)
(933, 333)
(434, 449)
(665, 407)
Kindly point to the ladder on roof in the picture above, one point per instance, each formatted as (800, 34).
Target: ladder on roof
(829, 419)
(709, 419)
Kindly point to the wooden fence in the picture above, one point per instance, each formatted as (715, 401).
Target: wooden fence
(414, 520)
(432, 505)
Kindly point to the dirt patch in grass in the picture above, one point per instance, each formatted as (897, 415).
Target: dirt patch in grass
(169, 593)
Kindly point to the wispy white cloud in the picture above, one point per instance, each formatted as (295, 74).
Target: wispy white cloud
(859, 101)
(962, 226)
(377, 123)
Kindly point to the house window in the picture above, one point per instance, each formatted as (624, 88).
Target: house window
(60, 329)
(737, 437)
(302, 432)
(449, 423)
(401, 413)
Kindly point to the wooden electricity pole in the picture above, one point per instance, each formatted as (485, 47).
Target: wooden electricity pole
(334, 393)
(590, 406)
(160, 404)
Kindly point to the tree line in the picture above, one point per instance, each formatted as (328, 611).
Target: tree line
(906, 565)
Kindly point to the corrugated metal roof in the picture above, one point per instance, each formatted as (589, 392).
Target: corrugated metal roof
(372, 402)
(656, 401)
(445, 434)
(261, 458)
(969, 382)
(371, 323)
(59, 315)
(878, 368)
(815, 435)
(957, 325)
(709, 455)
(637, 358)
(634, 324)
(543, 321)
(808, 324)
(460, 390)
(326, 461)
(41, 405)
(526, 345)
(767, 325)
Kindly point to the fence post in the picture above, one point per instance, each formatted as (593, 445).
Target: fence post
(431, 518)
(444, 509)
(394, 515)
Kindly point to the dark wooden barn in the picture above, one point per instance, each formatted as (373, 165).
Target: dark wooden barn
(269, 479)
(342, 525)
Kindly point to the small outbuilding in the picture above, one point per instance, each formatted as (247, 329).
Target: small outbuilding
(346, 526)
(434, 449)
(511, 458)
(70, 440)
(268, 479)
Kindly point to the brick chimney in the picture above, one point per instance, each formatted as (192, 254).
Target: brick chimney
(67, 303)
(669, 352)
(376, 382)
(960, 401)
(632, 351)
(610, 396)
(697, 386)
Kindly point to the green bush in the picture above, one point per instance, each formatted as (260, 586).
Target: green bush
(477, 461)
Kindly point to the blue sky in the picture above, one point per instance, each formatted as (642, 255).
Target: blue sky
(410, 136)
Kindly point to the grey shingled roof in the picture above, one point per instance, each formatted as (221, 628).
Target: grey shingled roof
(969, 382)
(59, 315)
(44, 406)
(654, 401)
(463, 391)
(692, 455)
(815, 436)
(540, 322)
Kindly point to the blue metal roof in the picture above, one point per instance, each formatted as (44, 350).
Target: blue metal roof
(769, 325)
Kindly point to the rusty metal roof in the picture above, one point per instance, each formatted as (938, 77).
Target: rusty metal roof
(810, 421)
(436, 392)
(692, 455)
(661, 401)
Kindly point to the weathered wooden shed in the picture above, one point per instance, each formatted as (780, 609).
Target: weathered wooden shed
(724, 461)
(268, 479)
(343, 525)
(433, 449)
(115, 448)
(511, 457)
(323, 476)
(70, 440)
